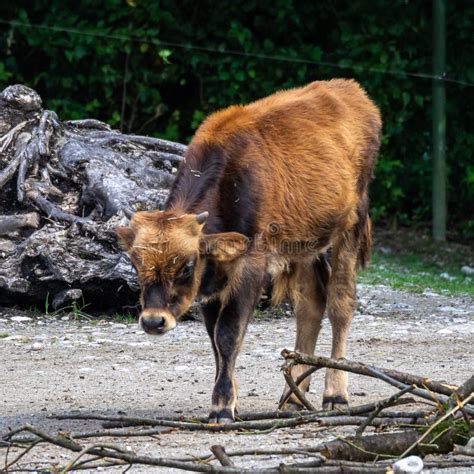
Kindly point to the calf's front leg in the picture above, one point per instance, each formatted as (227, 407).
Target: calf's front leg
(211, 311)
(229, 332)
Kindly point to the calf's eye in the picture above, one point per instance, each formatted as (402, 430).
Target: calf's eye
(186, 272)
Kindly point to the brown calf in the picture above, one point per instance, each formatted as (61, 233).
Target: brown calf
(275, 188)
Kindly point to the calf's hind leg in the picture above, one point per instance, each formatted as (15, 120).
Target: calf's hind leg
(309, 305)
(341, 302)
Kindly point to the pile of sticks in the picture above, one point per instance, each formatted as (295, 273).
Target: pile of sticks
(443, 426)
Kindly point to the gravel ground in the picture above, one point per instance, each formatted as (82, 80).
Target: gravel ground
(60, 365)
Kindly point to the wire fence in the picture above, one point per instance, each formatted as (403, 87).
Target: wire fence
(224, 51)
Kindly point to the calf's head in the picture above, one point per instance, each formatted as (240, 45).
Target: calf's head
(169, 253)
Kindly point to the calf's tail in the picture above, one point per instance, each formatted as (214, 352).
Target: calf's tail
(365, 244)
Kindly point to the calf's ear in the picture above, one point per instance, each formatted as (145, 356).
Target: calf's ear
(125, 237)
(224, 247)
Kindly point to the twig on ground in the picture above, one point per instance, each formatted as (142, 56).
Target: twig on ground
(363, 369)
(264, 425)
(295, 389)
(466, 389)
(285, 397)
(113, 433)
(371, 371)
(381, 405)
(114, 452)
(19, 456)
(307, 451)
(436, 423)
(125, 421)
(113, 421)
(87, 450)
(221, 455)
(427, 395)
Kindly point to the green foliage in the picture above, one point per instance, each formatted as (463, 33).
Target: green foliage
(410, 273)
(159, 67)
(124, 318)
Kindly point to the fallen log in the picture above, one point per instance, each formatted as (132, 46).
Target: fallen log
(386, 445)
(64, 187)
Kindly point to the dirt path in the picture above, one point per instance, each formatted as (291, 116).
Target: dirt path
(57, 366)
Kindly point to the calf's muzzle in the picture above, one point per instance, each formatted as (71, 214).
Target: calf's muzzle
(156, 321)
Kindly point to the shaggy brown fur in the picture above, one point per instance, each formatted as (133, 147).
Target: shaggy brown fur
(284, 180)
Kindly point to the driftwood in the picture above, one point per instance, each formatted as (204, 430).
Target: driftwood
(64, 186)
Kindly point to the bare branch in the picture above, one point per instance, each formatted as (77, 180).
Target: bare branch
(363, 369)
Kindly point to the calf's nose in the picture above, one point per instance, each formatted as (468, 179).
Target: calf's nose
(153, 324)
(156, 321)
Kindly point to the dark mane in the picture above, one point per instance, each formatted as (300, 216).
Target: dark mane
(198, 176)
(210, 180)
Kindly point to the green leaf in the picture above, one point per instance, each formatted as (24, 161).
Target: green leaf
(164, 54)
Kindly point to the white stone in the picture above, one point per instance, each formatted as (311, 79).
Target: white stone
(37, 346)
(103, 341)
(139, 344)
(451, 309)
(467, 270)
(444, 331)
(181, 368)
(119, 326)
(447, 276)
(411, 464)
(20, 319)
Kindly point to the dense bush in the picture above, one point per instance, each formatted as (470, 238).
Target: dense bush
(158, 67)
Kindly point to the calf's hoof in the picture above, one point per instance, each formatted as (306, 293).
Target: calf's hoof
(335, 402)
(293, 403)
(293, 406)
(221, 417)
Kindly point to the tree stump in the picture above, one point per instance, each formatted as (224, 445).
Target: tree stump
(64, 187)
